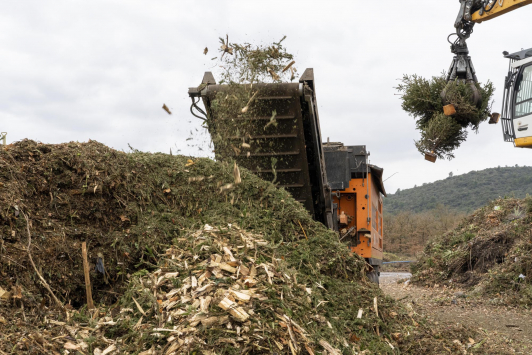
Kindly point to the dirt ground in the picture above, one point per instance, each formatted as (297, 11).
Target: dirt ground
(508, 329)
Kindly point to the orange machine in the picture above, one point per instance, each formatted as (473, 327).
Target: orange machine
(357, 191)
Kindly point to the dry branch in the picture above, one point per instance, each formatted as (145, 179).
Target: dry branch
(45, 284)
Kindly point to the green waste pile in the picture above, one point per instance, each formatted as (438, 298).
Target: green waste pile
(489, 253)
(193, 262)
(131, 208)
(441, 135)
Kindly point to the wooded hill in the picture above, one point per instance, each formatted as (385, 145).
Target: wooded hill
(465, 192)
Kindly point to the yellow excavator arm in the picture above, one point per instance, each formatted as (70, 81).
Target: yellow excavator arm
(500, 7)
(516, 118)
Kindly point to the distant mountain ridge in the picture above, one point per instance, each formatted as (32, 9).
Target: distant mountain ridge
(465, 192)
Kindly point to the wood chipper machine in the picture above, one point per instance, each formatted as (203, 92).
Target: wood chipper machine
(281, 142)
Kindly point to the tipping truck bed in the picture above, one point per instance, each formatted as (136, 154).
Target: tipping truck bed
(283, 139)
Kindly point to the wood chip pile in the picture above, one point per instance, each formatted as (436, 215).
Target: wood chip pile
(265, 278)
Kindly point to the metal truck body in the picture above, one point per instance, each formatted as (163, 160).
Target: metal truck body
(290, 153)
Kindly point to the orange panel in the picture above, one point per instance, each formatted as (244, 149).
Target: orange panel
(357, 203)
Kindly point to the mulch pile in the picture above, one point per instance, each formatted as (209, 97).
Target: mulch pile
(192, 258)
(490, 252)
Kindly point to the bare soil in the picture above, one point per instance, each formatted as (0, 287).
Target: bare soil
(505, 329)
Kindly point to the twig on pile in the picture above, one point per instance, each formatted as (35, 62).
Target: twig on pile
(35, 267)
(302, 229)
(88, 290)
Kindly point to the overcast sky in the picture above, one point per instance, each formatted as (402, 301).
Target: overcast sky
(101, 70)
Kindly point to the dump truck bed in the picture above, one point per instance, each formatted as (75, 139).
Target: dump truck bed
(278, 139)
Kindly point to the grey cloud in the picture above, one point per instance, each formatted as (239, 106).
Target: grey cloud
(102, 70)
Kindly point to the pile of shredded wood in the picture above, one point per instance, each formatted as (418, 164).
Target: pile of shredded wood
(265, 278)
(490, 252)
(230, 301)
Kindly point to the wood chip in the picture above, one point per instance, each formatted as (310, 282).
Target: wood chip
(289, 65)
(229, 253)
(71, 346)
(139, 323)
(4, 295)
(309, 349)
(227, 268)
(360, 311)
(236, 175)
(329, 348)
(238, 312)
(273, 74)
(204, 304)
(109, 349)
(174, 347)
(167, 109)
(139, 307)
(240, 296)
(209, 322)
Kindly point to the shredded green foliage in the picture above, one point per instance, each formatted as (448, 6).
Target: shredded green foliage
(489, 252)
(232, 121)
(244, 63)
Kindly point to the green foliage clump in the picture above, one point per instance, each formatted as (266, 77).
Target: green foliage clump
(440, 134)
(244, 68)
(244, 63)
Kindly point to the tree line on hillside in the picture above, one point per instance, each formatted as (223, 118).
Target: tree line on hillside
(465, 192)
(406, 233)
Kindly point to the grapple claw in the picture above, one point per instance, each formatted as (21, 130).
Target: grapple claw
(462, 70)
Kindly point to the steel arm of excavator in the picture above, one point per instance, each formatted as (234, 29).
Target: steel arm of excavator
(500, 7)
(471, 12)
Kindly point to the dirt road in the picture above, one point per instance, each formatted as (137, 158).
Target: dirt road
(506, 328)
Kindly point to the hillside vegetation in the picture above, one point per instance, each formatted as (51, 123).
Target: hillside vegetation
(465, 192)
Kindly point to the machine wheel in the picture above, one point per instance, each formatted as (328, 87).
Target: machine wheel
(373, 275)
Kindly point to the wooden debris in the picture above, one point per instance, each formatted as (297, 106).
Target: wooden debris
(109, 349)
(139, 307)
(184, 301)
(329, 348)
(289, 65)
(236, 174)
(167, 109)
(240, 296)
(246, 108)
(71, 346)
(88, 289)
(227, 267)
(273, 74)
(226, 187)
(238, 312)
(4, 295)
(360, 311)
(449, 110)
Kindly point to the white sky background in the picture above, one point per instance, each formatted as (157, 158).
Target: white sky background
(101, 70)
